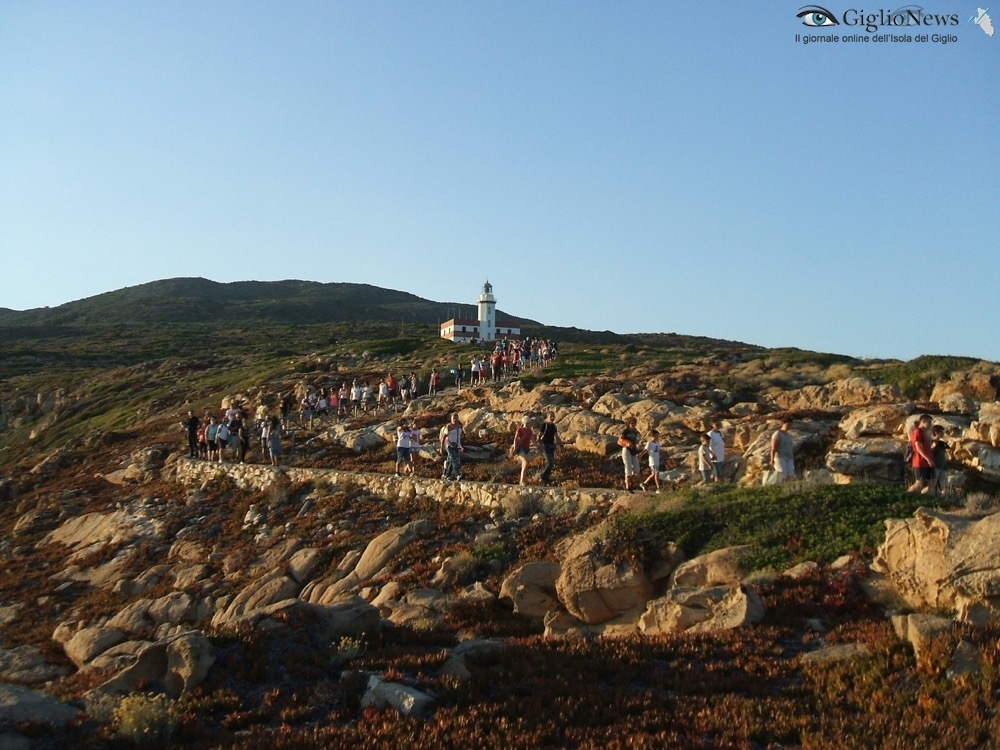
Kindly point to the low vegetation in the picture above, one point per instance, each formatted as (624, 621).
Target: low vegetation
(782, 525)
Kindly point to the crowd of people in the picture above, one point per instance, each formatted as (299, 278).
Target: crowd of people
(229, 437)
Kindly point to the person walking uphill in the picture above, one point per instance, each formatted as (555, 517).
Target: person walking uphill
(451, 449)
(629, 441)
(522, 445)
(548, 438)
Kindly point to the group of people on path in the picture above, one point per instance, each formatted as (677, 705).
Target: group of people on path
(210, 438)
(711, 456)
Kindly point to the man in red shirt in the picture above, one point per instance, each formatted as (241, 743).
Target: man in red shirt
(923, 458)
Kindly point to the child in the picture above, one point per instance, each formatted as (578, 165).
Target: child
(706, 460)
(653, 451)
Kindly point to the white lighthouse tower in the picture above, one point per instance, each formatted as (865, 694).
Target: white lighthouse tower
(487, 313)
(465, 330)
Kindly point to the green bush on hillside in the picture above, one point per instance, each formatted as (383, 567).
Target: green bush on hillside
(783, 525)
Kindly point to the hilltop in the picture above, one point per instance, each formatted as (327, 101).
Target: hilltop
(328, 603)
(197, 300)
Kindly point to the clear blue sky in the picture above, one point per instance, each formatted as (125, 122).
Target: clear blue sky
(636, 166)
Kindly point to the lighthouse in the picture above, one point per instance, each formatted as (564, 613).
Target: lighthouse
(486, 328)
(487, 313)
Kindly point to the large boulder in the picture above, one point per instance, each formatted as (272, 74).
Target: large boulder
(940, 561)
(594, 589)
(532, 588)
(867, 458)
(701, 610)
(981, 457)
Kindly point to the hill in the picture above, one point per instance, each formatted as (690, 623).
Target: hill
(197, 300)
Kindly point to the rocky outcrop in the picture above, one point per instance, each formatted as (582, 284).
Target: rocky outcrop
(836, 396)
(379, 552)
(595, 590)
(532, 588)
(941, 561)
(872, 459)
(174, 665)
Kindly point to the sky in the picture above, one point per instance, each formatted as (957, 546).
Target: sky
(638, 166)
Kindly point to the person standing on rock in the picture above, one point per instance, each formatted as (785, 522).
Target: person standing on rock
(923, 456)
(548, 438)
(451, 448)
(191, 424)
(629, 442)
(521, 446)
(783, 452)
(718, 445)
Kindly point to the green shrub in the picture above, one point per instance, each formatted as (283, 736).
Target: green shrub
(783, 525)
(145, 720)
